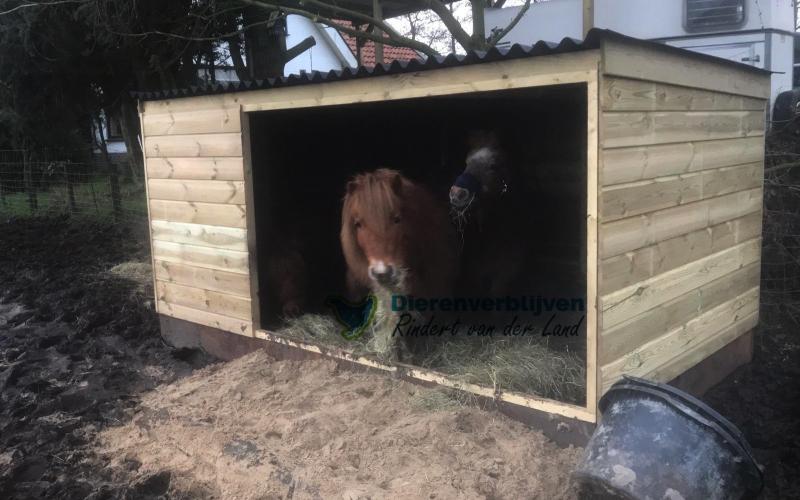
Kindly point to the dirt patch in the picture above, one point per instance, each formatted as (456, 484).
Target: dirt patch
(78, 345)
(256, 428)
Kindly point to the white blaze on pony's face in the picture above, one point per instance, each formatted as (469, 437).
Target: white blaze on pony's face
(377, 222)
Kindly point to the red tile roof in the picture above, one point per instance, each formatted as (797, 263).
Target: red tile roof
(390, 53)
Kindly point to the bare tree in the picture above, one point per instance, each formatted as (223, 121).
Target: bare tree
(328, 12)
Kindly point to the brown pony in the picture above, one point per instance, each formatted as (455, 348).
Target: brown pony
(396, 237)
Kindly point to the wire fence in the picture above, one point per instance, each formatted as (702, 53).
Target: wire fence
(780, 268)
(44, 188)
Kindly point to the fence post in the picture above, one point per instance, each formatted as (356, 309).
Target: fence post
(70, 188)
(33, 202)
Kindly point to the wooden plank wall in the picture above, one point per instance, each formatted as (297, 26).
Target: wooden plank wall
(680, 223)
(196, 194)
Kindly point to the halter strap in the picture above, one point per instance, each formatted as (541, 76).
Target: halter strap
(468, 182)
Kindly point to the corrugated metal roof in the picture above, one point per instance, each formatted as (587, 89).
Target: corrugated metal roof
(541, 48)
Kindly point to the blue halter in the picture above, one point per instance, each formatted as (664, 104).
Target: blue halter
(468, 182)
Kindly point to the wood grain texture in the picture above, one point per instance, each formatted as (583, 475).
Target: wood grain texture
(219, 169)
(194, 190)
(201, 121)
(593, 159)
(638, 298)
(626, 200)
(213, 320)
(626, 129)
(635, 61)
(197, 145)
(621, 339)
(207, 279)
(629, 234)
(639, 163)
(703, 349)
(200, 235)
(213, 214)
(211, 258)
(204, 300)
(635, 266)
(623, 94)
(678, 343)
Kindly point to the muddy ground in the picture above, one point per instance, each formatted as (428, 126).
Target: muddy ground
(93, 404)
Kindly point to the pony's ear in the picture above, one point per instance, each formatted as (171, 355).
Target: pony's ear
(397, 183)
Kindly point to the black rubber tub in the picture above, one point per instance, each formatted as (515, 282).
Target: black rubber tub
(657, 442)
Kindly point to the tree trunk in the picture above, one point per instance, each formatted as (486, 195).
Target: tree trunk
(478, 24)
(113, 175)
(70, 188)
(129, 122)
(377, 13)
(265, 44)
(235, 49)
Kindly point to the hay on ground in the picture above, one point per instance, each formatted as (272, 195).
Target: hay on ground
(523, 364)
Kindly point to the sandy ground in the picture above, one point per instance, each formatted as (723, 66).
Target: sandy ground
(256, 428)
(94, 405)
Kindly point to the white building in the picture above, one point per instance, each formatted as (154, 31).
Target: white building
(756, 32)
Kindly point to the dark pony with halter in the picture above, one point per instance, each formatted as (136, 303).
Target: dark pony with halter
(488, 211)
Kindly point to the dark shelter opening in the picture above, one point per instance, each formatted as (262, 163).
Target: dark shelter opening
(303, 158)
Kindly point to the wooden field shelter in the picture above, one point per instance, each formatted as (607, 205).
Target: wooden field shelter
(674, 159)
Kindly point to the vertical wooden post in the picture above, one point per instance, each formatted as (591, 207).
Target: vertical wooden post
(377, 13)
(588, 16)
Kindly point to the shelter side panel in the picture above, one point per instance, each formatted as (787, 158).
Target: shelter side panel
(680, 224)
(196, 200)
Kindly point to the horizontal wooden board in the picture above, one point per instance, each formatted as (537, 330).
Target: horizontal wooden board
(197, 145)
(206, 318)
(626, 200)
(648, 162)
(194, 190)
(200, 234)
(214, 214)
(633, 60)
(211, 258)
(526, 72)
(643, 361)
(632, 267)
(629, 234)
(207, 279)
(638, 298)
(201, 121)
(427, 376)
(625, 94)
(625, 129)
(684, 361)
(220, 169)
(622, 339)
(204, 300)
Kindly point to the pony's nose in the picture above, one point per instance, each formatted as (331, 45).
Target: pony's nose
(381, 272)
(459, 197)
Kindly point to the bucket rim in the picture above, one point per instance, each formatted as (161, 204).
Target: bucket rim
(693, 408)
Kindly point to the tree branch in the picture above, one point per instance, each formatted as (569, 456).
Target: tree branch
(301, 47)
(394, 38)
(498, 35)
(41, 4)
(450, 22)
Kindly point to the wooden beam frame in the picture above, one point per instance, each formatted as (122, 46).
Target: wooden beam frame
(588, 75)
